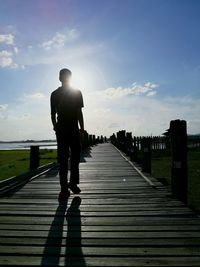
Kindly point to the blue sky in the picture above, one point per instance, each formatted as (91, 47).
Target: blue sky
(137, 63)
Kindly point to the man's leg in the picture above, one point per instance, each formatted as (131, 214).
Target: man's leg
(75, 160)
(63, 155)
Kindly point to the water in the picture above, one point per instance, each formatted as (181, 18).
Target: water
(13, 146)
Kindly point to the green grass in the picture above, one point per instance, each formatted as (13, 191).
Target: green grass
(161, 168)
(15, 162)
(194, 179)
(161, 165)
(47, 156)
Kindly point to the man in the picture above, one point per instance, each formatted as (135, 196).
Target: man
(66, 114)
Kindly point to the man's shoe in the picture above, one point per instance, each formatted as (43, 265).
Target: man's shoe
(74, 188)
(64, 195)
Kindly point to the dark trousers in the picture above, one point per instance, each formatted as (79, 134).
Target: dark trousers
(68, 144)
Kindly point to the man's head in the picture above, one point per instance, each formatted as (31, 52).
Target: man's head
(65, 75)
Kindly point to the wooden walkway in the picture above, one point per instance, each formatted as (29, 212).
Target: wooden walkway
(117, 220)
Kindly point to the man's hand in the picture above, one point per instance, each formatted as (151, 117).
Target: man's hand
(82, 131)
(80, 120)
(54, 127)
(82, 134)
(54, 122)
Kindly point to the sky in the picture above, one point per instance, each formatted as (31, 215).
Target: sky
(137, 63)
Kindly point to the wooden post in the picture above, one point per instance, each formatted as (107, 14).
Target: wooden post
(90, 140)
(178, 137)
(84, 141)
(93, 139)
(113, 139)
(128, 144)
(146, 154)
(121, 137)
(34, 157)
(134, 153)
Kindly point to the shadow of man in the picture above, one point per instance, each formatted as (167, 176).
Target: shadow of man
(52, 250)
(74, 255)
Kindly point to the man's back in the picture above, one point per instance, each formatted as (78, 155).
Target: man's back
(65, 102)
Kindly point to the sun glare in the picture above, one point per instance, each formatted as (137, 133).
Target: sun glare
(87, 78)
(78, 81)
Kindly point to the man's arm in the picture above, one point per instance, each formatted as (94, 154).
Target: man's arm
(80, 119)
(53, 114)
(53, 119)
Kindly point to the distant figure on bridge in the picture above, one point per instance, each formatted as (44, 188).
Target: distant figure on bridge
(66, 114)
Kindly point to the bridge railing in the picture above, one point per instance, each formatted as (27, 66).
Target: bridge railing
(87, 140)
(37, 156)
(175, 142)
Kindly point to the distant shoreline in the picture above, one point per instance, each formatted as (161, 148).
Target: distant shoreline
(24, 145)
(28, 141)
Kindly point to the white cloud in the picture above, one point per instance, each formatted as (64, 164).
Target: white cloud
(6, 59)
(3, 110)
(101, 111)
(147, 89)
(7, 39)
(30, 116)
(35, 96)
(151, 85)
(3, 107)
(114, 125)
(152, 93)
(5, 62)
(59, 40)
(137, 114)
(16, 50)
(62, 52)
(72, 35)
(5, 53)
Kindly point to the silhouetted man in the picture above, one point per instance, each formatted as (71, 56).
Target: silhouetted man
(66, 114)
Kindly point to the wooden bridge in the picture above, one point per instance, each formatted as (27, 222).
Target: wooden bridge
(119, 219)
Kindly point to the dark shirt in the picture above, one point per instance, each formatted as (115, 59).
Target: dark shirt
(66, 102)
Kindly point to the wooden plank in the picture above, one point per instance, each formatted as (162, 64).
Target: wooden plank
(148, 196)
(116, 242)
(98, 201)
(112, 234)
(94, 208)
(105, 213)
(140, 220)
(87, 206)
(100, 251)
(121, 221)
(104, 228)
(100, 261)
